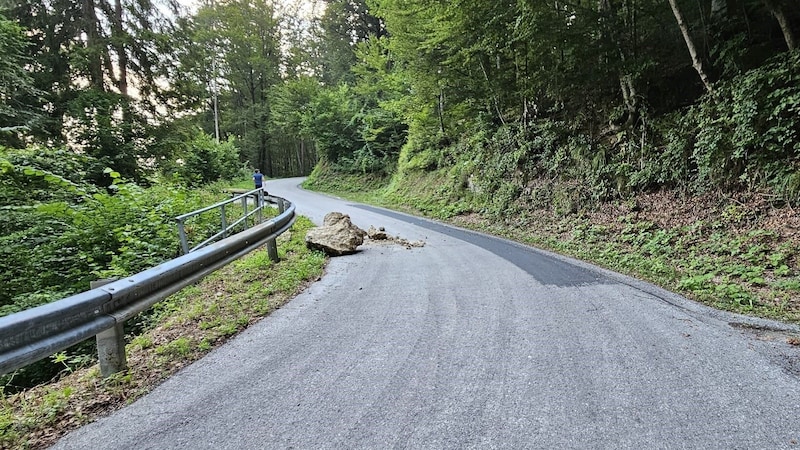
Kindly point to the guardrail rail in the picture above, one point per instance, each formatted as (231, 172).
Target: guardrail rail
(36, 333)
(260, 200)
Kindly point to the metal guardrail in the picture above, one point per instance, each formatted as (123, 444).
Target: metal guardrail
(36, 333)
(260, 199)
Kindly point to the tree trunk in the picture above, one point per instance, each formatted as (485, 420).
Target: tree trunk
(607, 10)
(266, 154)
(495, 101)
(90, 27)
(119, 46)
(783, 21)
(440, 110)
(719, 9)
(696, 63)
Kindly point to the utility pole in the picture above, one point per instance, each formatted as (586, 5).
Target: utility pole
(214, 94)
(214, 85)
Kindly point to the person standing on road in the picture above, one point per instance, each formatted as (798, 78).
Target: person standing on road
(258, 178)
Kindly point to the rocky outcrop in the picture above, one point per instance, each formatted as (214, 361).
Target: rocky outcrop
(337, 235)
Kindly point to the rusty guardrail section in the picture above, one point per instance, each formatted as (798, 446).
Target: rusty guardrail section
(34, 334)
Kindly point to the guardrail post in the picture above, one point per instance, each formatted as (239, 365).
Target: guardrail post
(244, 208)
(110, 343)
(260, 207)
(224, 222)
(182, 234)
(272, 250)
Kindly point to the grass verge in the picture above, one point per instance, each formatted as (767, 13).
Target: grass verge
(178, 331)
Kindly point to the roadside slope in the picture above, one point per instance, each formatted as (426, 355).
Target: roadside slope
(736, 253)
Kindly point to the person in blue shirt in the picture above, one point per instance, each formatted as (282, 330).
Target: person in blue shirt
(258, 178)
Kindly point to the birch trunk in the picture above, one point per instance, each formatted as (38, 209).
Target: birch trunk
(696, 63)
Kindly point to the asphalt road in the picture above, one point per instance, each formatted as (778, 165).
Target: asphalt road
(472, 342)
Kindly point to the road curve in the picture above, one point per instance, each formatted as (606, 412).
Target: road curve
(472, 342)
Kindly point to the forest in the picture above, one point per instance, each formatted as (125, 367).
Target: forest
(117, 115)
(606, 97)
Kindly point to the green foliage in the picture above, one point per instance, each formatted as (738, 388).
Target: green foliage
(352, 132)
(331, 121)
(327, 178)
(43, 410)
(180, 347)
(109, 128)
(343, 25)
(112, 56)
(53, 249)
(745, 136)
(204, 160)
(234, 48)
(504, 98)
(39, 174)
(200, 317)
(748, 132)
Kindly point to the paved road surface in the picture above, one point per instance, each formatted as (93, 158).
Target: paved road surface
(472, 342)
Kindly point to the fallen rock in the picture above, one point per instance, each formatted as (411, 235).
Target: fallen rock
(409, 244)
(337, 235)
(377, 234)
(380, 237)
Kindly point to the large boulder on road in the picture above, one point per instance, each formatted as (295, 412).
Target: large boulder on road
(337, 235)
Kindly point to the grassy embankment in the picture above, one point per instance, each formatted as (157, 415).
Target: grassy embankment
(737, 253)
(179, 330)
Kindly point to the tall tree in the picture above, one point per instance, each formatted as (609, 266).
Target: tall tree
(778, 10)
(343, 25)
(18, 97)
(697, 63)
(240, 40)
(292, 111)
(98, 61)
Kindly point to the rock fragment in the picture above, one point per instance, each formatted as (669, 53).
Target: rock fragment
(377, 234)
(409, 244)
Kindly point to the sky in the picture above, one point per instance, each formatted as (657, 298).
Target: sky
(305, 7)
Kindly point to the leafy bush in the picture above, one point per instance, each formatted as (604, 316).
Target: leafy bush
(352, 132)
(37, 174)
(204, 160)
(52, 249)
(747, 134)
(331, 119)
